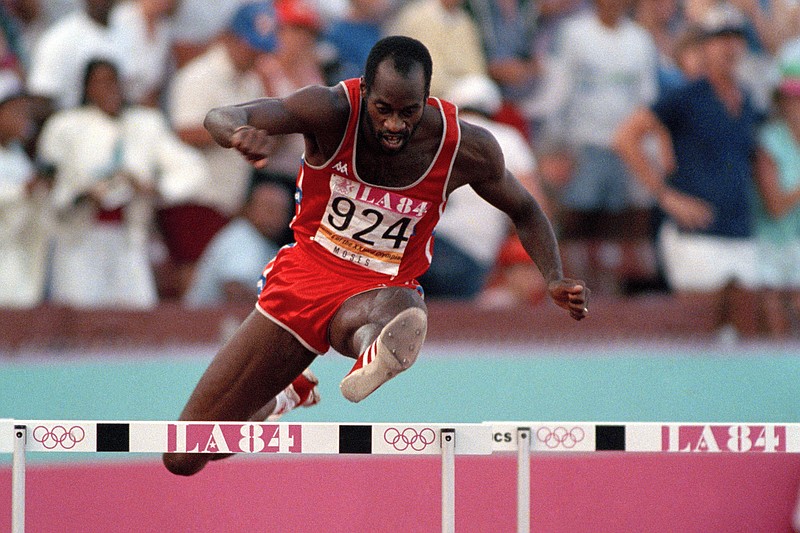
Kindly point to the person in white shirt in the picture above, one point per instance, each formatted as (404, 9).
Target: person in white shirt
(142, 31)
(609, 67)
(24, 227)
(63, 51)
(108, 158)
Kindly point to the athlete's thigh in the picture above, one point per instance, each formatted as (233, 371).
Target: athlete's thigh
(259, 361)
(373, 308)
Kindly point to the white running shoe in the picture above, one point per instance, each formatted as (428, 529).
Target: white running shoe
(394, 351)
(302, 392)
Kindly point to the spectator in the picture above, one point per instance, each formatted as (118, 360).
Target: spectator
(608, 65)
(662, 21)
(235, 257)
(107, 157)
(351, 37)
(293, 65)
(507, 30)
(223, 75)
(63, 51)
(198, 24)
(551, 15)
(41, 14)
(470, 232)
(14, 17)
(143, 33)
(706, 135)
(777, 214)
(23, 204)
(769, 24)
(451, 36)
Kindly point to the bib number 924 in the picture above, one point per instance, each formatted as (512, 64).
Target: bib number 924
(367, 221)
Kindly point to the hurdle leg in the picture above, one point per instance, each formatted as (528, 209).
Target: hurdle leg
(523, 480)
(18, 480)
(448, 436)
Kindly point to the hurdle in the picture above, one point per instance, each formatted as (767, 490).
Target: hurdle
(445, 440)
(89, 436)
(638, 437)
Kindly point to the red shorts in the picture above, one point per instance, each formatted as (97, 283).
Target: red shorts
(302, 296)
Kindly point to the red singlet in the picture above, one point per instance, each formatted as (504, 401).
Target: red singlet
(352, 236)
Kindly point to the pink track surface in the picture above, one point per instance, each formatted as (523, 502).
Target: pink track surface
(609, 492)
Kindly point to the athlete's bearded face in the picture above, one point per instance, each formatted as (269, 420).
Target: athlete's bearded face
(394, 106)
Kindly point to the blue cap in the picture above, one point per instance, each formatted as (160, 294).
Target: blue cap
(254, 23)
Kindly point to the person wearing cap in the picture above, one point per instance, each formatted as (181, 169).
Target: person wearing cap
(224, 74)
(470, 232)
(24, 213)
(294, 64)
(703, 178)
(777, 211)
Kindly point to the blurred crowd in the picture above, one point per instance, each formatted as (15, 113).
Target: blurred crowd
(662, 137)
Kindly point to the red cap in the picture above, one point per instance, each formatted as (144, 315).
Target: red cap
(298, 13)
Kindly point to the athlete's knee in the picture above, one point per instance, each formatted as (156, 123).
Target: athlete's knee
(184, 464)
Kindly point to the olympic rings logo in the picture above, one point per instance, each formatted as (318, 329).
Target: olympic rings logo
(409, 438)
(58, 436)
(560, 436)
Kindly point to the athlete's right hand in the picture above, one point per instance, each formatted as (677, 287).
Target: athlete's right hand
(254, 144)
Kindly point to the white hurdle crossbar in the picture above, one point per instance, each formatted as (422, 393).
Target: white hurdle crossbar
(447, 440)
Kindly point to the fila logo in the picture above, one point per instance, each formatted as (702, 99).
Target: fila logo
(340, 167)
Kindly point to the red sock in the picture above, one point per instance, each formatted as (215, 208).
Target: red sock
(303, 387)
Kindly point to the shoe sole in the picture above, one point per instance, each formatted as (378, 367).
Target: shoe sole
(399, 344)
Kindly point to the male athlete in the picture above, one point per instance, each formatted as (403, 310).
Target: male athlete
(380, 159)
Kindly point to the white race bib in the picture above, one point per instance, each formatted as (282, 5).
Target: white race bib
(367, 225)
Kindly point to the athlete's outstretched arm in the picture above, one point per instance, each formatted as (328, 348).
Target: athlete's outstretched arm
(481, 164)
(314, 111)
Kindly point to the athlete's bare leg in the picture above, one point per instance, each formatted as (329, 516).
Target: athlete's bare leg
(258, 362)
(399, 316)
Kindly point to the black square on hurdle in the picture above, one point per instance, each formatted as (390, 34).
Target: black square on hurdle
(610, 438)
(113, 437)
(355, 439)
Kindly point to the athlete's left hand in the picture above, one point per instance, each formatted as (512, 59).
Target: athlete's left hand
(572, 295)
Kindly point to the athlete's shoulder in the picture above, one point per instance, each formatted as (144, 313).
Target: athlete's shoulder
(479, 155)
(478, 144)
